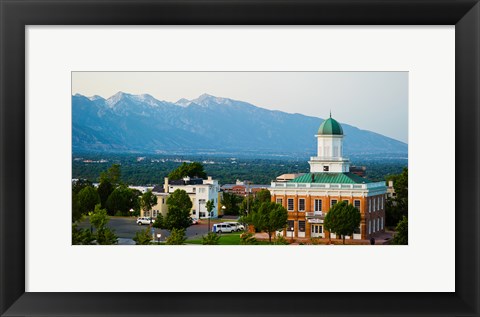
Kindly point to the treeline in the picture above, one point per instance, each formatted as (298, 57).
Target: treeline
(151, 170)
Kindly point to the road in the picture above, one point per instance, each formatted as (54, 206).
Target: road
(126, 227)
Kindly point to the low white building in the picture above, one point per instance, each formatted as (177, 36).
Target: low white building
(200, 191)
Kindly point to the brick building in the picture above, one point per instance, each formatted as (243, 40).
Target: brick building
(309, 197)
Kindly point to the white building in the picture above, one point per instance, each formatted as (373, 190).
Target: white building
(200, 191)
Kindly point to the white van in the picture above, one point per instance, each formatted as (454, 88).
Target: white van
(222, 227)
(236, 226)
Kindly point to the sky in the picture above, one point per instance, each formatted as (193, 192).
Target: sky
(375, 101)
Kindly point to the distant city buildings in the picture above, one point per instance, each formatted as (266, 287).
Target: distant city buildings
(308, 197)
(242, 188)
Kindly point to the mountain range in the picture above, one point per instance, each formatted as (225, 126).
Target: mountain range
(207, 124)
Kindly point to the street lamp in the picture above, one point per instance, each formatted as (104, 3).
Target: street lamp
(159, 235)
(131, 211)
(223, 209)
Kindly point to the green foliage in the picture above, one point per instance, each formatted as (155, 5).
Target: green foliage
(231, 203)
(267, 217)
(258, 170)
(194, 169)
(79, 184)
(99, 219)
(121, 200)
(248, 203)
(178, 215)
(280, 240)
(210, 205)
(158, 223)
(211, 239)
(247, 238)
(87, 198)
(105, 188)
(81, 236)
(148, 200)
(401, 237)
(112, 175)
(397, 207)
(143, 237)
(343, 219)
(315, 240)
(177, 237)
(263, 196)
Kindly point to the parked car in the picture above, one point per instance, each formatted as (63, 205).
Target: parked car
(144, 221)
(194, 221)
(236, 226)
(222, 228)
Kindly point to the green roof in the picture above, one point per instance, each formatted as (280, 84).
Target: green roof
(330, 127)
(331, 178)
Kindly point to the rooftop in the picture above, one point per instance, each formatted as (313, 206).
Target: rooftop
(331, 178)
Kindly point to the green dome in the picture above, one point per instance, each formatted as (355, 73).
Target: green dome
(330, 127)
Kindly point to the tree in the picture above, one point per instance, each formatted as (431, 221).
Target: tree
(397, 207)
(401, 237)
(177, 237)
(81, 236)
(113, 175)
(148, 200)
(121, 200)
(178, 215)
(87, 198)
(263, 195)
(79, 184)
(194, 169)
(268, 217)
(343, 219)
(143, 237)
(105, 188)
(231, 203)
(211, 239)
(99, 219)
(210, 205)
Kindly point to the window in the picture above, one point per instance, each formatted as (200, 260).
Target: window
(356, 204)
(280, 201)
(374, 204)
(325, 168)
(202, 214)
(317, 229)
(346, 201)
(382, 201)
(163, 200)
(201, 190)
(194, 212)
(333, 202)
(290, 204)
(369, 206)
(378, 224)
(381, 223)
(301, 226)
(301, 204)
(290, 225)
(369, 226)
(318, 205)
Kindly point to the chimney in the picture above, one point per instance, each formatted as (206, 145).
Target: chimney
(165, 185)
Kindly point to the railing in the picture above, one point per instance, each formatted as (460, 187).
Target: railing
(314, 214)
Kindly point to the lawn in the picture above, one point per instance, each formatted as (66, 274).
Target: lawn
(225, 239)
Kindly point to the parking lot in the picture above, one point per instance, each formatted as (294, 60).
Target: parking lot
(126, 227)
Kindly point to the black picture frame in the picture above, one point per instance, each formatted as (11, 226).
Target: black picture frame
(16, 14)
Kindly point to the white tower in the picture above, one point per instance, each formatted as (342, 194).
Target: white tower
(329, 157)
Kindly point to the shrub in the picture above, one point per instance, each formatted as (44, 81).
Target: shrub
(177, 237)
(280, 240)
(211, 239)
(247, 238)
